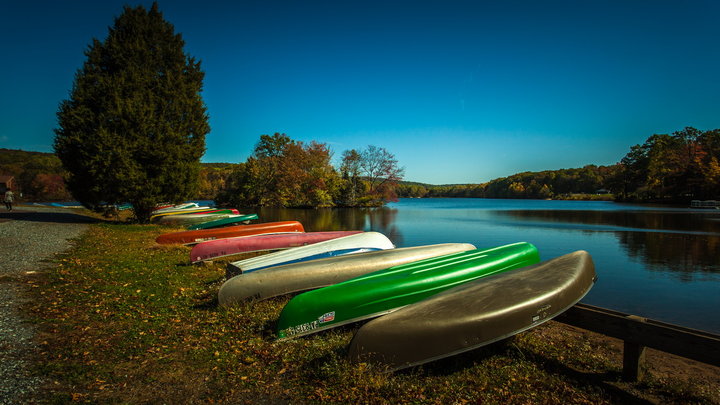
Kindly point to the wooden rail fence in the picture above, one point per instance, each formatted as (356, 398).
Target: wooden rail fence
(639, 333)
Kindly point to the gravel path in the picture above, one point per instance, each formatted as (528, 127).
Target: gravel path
(28, 237)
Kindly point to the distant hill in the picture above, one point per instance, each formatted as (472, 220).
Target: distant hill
(39, 175)
(415, 183)
(13, 160)
(219, 165)
(10, 157)
(559, 184)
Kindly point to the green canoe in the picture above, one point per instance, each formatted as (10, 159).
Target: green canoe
(387, 290)
(234, 220)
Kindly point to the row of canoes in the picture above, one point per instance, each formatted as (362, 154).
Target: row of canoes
(425, 302)
(197, 217)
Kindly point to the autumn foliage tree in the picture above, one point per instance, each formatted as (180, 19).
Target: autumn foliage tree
(38, 176)
(213, 178)
(677, 167)
(283, 172)
(133, 129)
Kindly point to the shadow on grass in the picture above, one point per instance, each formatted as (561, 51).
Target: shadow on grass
(453, 364)
(207, 301)
(48, 216)
(267, 332)
(590, 379)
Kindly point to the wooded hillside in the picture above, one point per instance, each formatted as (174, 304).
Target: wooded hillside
(39, 176)
(557, 184)
(679, 167)
(676, 168)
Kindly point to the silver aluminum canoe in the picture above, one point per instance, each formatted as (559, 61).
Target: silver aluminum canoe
(369, 240)
(475, 314)
(289, 278)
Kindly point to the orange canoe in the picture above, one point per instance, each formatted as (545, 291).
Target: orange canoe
(201, 235)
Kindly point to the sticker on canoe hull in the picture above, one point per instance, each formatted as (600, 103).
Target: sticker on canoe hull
(541, 313)
(308, 326)
(302, 328)
(328, 317)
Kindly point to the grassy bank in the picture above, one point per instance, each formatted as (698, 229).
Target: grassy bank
(124, 320)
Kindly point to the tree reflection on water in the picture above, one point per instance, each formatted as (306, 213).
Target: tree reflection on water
(686, 243)
(338, 219)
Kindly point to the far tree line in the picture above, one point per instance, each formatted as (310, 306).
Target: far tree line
(280, 172)
(554, 184)
(677, 167)
(666, 168)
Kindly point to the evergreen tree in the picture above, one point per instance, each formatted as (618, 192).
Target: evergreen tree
(133, 129)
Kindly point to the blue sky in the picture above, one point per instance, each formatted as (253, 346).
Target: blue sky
(459, 91)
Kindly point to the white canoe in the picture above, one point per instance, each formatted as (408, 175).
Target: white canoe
(366, 241)
(289, 278)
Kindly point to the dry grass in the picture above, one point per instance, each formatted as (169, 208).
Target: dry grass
(127, 321)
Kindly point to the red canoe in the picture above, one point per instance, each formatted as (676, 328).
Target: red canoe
(226, 247)
(202, 235)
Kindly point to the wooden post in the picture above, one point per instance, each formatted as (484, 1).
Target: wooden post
(633, 361)
(633, 356)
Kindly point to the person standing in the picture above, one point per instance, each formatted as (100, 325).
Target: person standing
(9, 196)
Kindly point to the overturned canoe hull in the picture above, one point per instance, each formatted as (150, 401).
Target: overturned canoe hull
(201, 210)
(289, 278)
(330, 254)
(387, 290)
(257, 243)
(219, 222)
(353, 243)
(475, 314)
(177, 211)
(168, 207)
(189, 237)
(187, 219)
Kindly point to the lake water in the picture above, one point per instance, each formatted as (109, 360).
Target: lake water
(658, 262)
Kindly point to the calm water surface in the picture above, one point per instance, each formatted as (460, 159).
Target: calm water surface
(658, 262)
